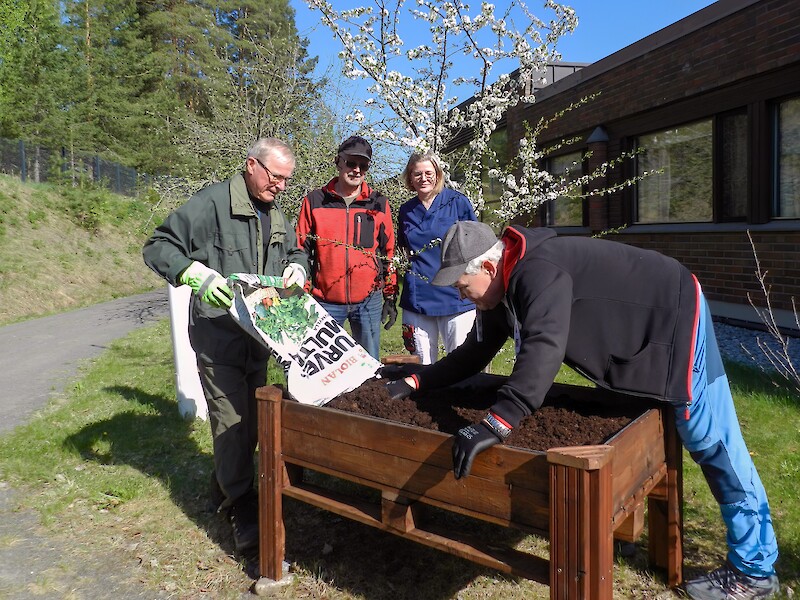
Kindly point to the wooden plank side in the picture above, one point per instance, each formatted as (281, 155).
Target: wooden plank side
(581, 542)
(639, 455)
(665, 511)
(501, 463)
(534, 520)
(600, 536)
(475, 496)
(272, 534)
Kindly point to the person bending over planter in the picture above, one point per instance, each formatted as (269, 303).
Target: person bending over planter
(631, 320)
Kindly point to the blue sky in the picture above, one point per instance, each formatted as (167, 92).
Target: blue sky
(604, 27)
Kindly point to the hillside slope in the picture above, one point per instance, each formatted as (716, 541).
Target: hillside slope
(63, 248)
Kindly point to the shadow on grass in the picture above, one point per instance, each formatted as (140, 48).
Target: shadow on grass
(347, 555)
(370, 563)
(749, 379)
(160, 445)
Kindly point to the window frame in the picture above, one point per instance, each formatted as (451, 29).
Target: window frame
(717, 173)
(774, 158)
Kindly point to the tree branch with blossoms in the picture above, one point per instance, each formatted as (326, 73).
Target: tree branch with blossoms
(414, 93)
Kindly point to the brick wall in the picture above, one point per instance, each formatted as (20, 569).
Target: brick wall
(725, 265)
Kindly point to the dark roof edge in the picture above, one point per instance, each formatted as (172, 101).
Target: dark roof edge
(705, 16)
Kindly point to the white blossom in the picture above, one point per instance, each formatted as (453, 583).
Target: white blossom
(414, 96)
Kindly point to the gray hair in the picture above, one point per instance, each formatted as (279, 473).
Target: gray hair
(418, 157)
(271, 146)
(493, 254)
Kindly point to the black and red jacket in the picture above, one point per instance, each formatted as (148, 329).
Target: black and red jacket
(350, 248)
(622, 316)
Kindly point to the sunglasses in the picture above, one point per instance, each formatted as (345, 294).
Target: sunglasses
(352, 164)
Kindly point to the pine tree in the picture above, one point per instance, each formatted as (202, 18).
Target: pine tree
(33, 104)
(108, 67)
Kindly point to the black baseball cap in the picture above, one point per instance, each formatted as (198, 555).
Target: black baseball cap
(356, 146)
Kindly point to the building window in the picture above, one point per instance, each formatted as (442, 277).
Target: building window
(682, 191)
(566, 211)
(787, 160)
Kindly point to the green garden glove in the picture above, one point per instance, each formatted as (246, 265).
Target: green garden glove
(207, 284)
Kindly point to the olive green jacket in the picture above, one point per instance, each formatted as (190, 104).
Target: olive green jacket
(220, 228)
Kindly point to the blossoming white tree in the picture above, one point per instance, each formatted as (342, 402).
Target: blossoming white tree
(414, 91)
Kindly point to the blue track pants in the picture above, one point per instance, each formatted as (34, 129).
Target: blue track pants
(712, 436)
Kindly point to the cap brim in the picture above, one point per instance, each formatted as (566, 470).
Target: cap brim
(447, 276)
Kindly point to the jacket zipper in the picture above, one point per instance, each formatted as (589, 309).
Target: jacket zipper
(346, 253)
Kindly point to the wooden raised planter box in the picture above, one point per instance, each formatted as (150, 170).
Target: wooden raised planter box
(579, 497)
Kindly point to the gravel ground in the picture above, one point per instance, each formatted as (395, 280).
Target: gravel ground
(742, 346)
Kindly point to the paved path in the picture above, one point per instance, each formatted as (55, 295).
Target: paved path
(41, 356)
(38, 359)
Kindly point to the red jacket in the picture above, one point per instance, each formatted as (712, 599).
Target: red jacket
(350, 248)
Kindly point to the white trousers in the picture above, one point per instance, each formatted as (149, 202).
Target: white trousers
(421, 333)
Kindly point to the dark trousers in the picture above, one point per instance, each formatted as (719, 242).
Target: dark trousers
(230, 395)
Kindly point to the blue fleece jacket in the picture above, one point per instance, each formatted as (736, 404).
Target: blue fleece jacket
(417, 227)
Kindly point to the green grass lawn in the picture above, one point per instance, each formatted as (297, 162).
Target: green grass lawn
(112, 466)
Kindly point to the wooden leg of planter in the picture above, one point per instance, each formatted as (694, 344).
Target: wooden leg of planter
(581, 532)
(665, 509)
(272, 537)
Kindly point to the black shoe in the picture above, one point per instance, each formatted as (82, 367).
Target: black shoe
(726, 583)
(243, 517)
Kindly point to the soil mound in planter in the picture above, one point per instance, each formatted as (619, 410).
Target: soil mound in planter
(560, 422)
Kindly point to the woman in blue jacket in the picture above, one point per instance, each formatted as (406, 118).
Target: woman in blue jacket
(430, 312)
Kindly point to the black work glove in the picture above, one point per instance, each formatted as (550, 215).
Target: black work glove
(468, 443)
(389, 313)
(399, 371)
(399, 389)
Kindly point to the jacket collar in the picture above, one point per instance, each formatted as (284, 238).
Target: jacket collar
(242, 205)
(519, 242)
(515, 247)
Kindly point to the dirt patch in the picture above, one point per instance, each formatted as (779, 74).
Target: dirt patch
(560, 422)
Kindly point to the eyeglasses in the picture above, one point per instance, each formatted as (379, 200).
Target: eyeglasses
(276, 178)
(424, 175)
(352, 164)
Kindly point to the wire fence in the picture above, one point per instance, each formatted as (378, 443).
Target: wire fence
(39, 164)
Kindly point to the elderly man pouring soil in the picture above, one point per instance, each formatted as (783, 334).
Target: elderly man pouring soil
(631, 320)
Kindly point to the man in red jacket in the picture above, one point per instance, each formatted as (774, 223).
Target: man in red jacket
(346, 229)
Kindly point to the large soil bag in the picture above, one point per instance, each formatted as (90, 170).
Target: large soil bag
(320, 359)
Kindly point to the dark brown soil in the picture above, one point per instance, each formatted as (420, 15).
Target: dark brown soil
(560, 422)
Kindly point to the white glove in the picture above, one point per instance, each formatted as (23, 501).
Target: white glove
(294, 274)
